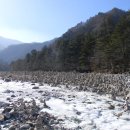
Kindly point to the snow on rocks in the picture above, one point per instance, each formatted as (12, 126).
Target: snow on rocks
(101, 83)
(58, 108)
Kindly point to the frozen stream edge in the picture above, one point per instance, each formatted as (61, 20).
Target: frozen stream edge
(78, 110)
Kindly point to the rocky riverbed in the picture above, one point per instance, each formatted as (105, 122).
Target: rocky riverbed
(101, 83)
(41, 106)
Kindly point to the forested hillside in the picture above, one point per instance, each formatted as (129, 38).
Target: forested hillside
(3, 66)
(100, 44)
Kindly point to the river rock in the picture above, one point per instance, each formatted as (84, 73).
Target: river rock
(7, 109)
(7, 80)
(2, 117)
(25, 127)
(35, 87)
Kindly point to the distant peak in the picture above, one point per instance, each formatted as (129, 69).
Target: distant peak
(116, 10)
(100, 13)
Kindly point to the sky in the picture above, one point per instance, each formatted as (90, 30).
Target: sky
(43, 20)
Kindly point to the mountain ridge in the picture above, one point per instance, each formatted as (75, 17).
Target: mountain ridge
(14, 52)
(91, 23)
(5, 42)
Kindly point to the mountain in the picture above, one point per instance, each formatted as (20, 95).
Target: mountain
(100, 44)
(94, 24)
(5, 42)
(14, 52)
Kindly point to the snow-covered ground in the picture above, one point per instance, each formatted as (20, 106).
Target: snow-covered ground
(76, 110)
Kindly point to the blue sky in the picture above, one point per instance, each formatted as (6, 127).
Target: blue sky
(41, 20)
